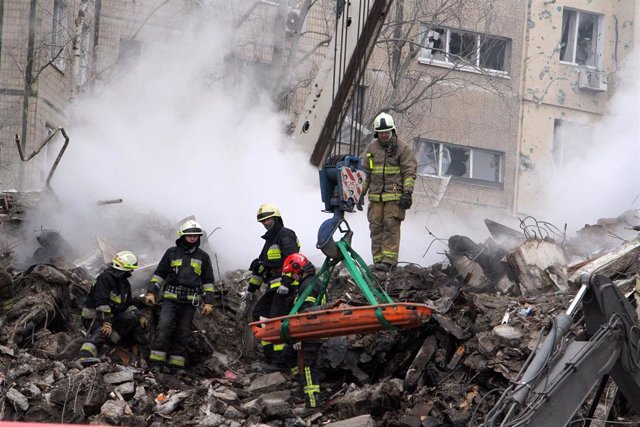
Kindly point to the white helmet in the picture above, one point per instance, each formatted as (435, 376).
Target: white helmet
(125, 261)
(190, 228)
(383, 122)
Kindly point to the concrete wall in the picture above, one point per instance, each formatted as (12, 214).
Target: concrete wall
(51, 92)
(473, 109)
(551, 87)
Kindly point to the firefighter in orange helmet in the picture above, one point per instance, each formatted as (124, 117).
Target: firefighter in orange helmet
(303, 272)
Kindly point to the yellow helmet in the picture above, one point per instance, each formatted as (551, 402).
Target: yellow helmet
(190, 227)
(125, 261)
(267, 210)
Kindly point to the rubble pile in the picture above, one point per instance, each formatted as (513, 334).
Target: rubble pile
(490, 304)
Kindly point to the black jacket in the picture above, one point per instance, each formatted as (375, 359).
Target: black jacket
(109, 295)
(309, 272)
(280, 242)
(184, 272)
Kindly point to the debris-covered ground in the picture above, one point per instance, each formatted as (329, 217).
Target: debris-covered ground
(490, 303)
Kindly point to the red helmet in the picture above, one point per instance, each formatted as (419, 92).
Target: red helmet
(294, 263)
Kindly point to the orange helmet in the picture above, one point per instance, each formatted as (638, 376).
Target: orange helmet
(294, 263)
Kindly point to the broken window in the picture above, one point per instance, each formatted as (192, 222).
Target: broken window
(579, 42)
(58, 33)
(440, 159)
(570, 142)
(464, 48)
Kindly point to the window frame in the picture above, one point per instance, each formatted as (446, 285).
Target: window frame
(58, 32)
(470, 162)
(462, 63)
(597, 50)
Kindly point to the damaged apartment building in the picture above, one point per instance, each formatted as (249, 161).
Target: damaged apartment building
(491, 92)
(50, 52)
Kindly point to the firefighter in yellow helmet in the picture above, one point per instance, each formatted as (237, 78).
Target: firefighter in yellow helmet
(391, 169)
(185, 278)
(109, 313)
(280, 242)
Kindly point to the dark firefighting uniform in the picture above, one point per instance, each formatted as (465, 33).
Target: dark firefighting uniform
(310, 349)
(391, 170)
(184, 277)
(109, 300)
(280, 242)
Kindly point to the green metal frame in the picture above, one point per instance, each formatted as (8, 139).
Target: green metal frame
(366, 281)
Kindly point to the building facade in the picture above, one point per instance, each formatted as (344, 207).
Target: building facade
(52, 50)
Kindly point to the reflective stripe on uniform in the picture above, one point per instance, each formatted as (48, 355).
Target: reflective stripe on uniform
(104, 309)
(158, 356)
(197, 266)
(115, 298)
(207, 287)
(275, 283)
(91, 348)
(311, 299)
(385, 197)
(255, 280)
(157, 281)
(386, 170)
(278, 347)
(274, 253)
(89, 313)
(294, 371)
(177, 361)
(390, 254)
(176, 263)
(310, 389)
(409, 182)
(173, 295)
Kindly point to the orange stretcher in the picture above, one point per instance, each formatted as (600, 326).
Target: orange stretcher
(344, 320)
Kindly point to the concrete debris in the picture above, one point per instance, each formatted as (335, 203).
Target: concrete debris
(490, 304)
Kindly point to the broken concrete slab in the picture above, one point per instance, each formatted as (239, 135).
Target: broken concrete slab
(530, 263)
(118, 377)
(416, 370)
(266, 382)
(359, 421)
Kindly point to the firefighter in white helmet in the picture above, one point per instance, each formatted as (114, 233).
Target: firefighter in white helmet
(391, 169)
(184, 278)
(280, 242)
(109, 313)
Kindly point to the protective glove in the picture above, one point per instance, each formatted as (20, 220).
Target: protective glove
(405, 200)
(282, 290)
(150, 299)
(144, 322)
(360, 202)
(207, 310)
(247, 296)
(257, 267)
(106, 329)
(297, 346)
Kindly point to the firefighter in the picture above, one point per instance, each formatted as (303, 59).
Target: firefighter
(108, 313)
(280, 242)
(184, 279)
(390, 165)
(303, 272)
